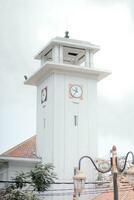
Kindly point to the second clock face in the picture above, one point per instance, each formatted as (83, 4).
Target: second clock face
(76, 91)
(43, 95)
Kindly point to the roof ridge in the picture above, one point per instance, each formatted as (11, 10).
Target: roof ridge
(18, 145)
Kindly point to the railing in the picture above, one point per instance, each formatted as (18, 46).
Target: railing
(61, 189)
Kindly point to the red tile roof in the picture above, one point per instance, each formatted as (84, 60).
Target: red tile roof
(124, 194)
(127, 195)
(26, 149)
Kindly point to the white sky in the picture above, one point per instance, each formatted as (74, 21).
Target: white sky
(27, 25)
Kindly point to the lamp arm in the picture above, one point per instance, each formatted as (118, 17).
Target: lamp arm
(126, 158)
(101, 171)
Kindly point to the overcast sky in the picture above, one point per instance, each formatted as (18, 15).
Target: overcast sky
(27, 25)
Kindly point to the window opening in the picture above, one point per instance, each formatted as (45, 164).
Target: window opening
(76, 120)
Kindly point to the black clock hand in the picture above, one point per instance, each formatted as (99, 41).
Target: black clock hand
(75, 90)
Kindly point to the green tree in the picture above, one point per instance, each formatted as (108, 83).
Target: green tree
(20, 180)
(40, 178)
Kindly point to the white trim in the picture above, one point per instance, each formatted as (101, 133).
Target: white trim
(19, 159)
(49, 67)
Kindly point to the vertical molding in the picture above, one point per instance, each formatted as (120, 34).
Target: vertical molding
(78, 125)
(44, 123)
(37, 123)
(65, 91)
(53, 116)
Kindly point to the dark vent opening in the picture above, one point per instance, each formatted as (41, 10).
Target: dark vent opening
(72, 54)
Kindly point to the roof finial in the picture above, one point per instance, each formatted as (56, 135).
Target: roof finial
(66, 34)
(25, 77)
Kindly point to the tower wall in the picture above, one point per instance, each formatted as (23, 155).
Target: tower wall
(60, 141)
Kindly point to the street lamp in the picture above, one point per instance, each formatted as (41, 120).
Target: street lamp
(79, 181)
(79, 178)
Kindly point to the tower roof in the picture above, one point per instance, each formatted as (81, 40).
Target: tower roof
(67, 42)
(65, 55)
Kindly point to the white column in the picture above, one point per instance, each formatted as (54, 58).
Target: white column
(43, 60)
(61, 54)
(55, 54)
(89, 58)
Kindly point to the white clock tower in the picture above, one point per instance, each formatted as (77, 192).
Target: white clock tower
(66, 103)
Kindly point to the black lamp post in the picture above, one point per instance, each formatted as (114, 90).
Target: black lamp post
(79, 178)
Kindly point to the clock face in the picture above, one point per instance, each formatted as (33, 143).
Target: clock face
(76, 91)
(44, 95)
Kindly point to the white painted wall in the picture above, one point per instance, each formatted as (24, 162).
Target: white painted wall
(17, 167)
(45, 111)
(60, 142)
(3, 173)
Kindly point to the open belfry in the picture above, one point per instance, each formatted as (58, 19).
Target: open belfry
(67, 104)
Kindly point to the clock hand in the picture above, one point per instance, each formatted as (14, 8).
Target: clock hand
(75, 90)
